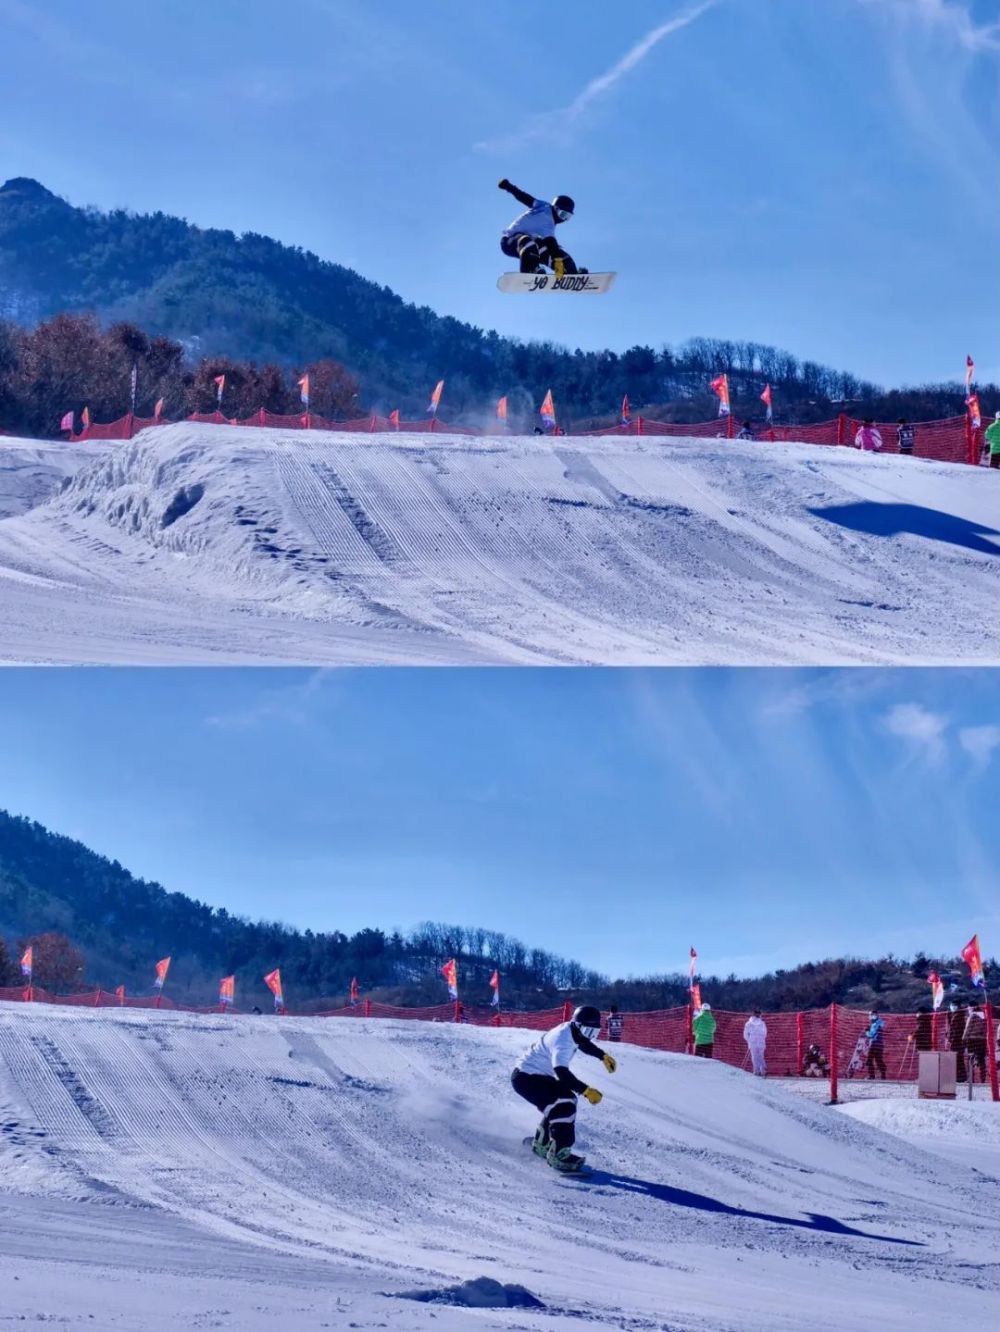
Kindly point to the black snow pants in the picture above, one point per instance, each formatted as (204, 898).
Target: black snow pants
(556, 1102)
(875, 1057)
(533, 251)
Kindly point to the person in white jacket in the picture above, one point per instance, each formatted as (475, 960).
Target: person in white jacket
(755, 1035)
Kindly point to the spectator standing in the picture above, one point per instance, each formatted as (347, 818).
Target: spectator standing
(956, 1038)
(904, 436)
(868, 438)
(703, 1027)
(616, 1024)
(755, 1035)
(993, 440)
(745, 431)
(875, 1036)
(923, 1032)
(974, 1036)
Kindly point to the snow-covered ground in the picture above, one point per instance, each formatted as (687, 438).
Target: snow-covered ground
(161, 1170)
(209, 544)
(960, 1130)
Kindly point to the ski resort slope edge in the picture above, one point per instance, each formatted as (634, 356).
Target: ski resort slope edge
(228, 1171)
(197, 543)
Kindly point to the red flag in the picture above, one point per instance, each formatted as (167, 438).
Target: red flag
(85, 418)
(696, 996)
(67, 422)
(971, 957)
(304, 387)
(162, 967)
(626, 412)
(765, 398)
(220, 383)
(450, 973)
(27, 962)
(273, 982)
(394, 419)
(502, 409)
(495, 987)
(975, 415)
(720, 387)
(435, 401)
(158, 409)
(547, 411)
(937, 989)
(227, 989)
(354, 992)
(120, 994)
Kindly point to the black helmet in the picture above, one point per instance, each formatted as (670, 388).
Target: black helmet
(588, 1019)
(563, 207)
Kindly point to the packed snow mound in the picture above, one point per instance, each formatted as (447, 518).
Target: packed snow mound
(206, 543)
(960, 1130)
(32, 470)
(386, 1160)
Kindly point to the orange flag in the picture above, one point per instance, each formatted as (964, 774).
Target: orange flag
(435, 402)
(450, 973)
(394, 419)
(120, 994)
(304, 394)
(547, 411)
(354, 992)
(220, 383)
(495, 987)
(502, 409)
(85, 418)
(27, 962)
(162, 967)
(720, 387)
(227, 989)
(158, 409)
(273, 982)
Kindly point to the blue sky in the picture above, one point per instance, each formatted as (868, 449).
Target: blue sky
(766, 816)
(816, 174)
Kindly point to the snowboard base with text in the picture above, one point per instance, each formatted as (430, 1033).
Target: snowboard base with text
(594, 283)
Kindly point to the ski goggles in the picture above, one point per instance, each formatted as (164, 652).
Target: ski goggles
(562, 214)
(591, 1033)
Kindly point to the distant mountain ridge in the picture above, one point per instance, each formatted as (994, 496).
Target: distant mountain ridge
(252, 298)
(124, 925)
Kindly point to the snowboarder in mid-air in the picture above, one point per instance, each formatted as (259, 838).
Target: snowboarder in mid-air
(531, 237)
(542, 1076)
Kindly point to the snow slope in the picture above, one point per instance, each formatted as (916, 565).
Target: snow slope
(233, 1171)
(960, 1130)
(204, 543)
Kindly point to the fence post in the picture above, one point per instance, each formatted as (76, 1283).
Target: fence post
(841, 427)
(833, 1054)
(689, 1043)
(567, 1010)
(368, 1008)
(97, 997)
(799, 1051)
(991, 1052)
(729, 426)
(638, 425)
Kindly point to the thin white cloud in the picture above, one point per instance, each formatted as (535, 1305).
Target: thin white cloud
(558, 122)
(980, 742)
(290, 704)
(945, 18)
(924, 729)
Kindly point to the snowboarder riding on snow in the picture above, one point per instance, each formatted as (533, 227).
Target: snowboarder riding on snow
(543, 1078)
(531, 237)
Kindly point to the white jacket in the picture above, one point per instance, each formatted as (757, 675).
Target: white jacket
(553, 1050)
(534, 221)
(755, 1031)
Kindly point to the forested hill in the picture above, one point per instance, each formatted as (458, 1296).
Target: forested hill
(252, 298)
(122, 925)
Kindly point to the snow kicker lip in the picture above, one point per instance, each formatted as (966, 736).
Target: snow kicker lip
(198, 542)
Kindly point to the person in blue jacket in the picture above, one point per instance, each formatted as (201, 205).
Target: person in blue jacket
(875, 1035)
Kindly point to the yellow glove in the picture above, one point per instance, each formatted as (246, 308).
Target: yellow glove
(592, 1095)
(609, 1062)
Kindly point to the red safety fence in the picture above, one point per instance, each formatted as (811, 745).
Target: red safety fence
(827, 1044)
(950, 440)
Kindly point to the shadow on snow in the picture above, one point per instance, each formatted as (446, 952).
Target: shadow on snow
(816, 1221)
(894, 519)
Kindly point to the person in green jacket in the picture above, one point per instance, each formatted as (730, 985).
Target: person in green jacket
(993, 440)
(704, 1031)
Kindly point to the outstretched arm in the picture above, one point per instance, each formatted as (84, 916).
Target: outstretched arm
(519, 195)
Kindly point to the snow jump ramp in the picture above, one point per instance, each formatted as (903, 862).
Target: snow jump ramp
(353, 1172)
(223, 544)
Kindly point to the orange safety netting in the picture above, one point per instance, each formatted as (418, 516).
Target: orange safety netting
(822, 1043)
(949, 440)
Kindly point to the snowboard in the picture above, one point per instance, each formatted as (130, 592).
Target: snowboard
(583, 1173)
(595, 283)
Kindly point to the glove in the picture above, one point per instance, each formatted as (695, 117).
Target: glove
(503, 184)
(592, 1095)
(609, 1062)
